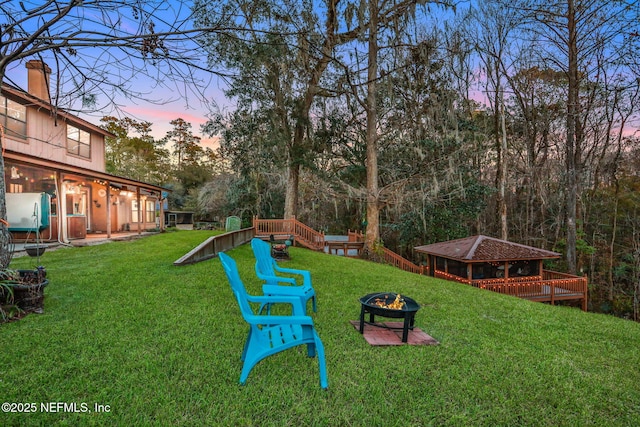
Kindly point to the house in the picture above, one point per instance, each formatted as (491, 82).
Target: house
(503, 266)
(58, 159)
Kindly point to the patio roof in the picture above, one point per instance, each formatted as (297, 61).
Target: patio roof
(76, 170)
(484, 249)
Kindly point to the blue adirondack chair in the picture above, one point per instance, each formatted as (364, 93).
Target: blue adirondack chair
(266, 268)
(272, 334)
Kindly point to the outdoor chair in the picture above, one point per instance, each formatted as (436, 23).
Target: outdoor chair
(267, 269)
(272, 334)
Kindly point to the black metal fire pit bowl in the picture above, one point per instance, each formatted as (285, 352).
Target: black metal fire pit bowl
(407, 312)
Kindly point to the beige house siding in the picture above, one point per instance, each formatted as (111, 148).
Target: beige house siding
(83, 197)
(47, 139)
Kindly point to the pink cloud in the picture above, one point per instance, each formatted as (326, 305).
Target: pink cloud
(161, 116)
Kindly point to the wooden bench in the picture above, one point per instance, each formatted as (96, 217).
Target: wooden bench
(347, 248)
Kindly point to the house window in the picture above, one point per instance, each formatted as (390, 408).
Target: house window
(150, 212)
(135, 215)
(13, 117)
(78, 142)
(15, 188)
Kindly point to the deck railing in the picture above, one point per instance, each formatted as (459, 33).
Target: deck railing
(304, 234)
(355, 236)
(551, 286)
(400, 262)
(309, 235)
(273, 226)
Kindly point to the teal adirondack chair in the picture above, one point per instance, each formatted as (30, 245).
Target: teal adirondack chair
(272, 334)
(266, 268)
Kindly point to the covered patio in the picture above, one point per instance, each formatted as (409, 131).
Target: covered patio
(504, 267)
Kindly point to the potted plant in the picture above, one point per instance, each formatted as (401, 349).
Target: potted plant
(22, 291)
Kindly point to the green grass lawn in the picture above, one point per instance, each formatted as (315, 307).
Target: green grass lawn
(160, 345)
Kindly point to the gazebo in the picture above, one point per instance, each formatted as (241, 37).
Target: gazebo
(503, 266)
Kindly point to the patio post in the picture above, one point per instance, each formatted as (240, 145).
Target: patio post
(139, 210)
(108, 205)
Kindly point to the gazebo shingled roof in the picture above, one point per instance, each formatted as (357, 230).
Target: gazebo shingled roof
(485, 249)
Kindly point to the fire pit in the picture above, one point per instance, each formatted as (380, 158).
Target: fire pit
(389, 304)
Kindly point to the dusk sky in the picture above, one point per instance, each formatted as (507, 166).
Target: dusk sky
(172, 102)
(161, 115)
(191, 109)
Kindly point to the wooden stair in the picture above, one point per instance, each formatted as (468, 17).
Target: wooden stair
(279, 228)
(305, 236)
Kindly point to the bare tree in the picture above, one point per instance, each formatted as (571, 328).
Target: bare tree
(100, 50)
(277, 56)
(494, 26)
(372, 234)
(579, 38)
(386, 21)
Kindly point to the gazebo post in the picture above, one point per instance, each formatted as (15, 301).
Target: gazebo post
(540, 268)
(470, 273)
(431, 264)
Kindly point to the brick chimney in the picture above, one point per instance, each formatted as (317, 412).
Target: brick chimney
(38, 79)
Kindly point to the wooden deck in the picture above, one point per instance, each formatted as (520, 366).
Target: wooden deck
(550, 287)
(309, 238)
(304, 235)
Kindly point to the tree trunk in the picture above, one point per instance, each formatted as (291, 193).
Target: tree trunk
(5, 254)
(373, 207)
(571, 144)
(291, 195)
(614, 229)
(302, 119)
(501, 135)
